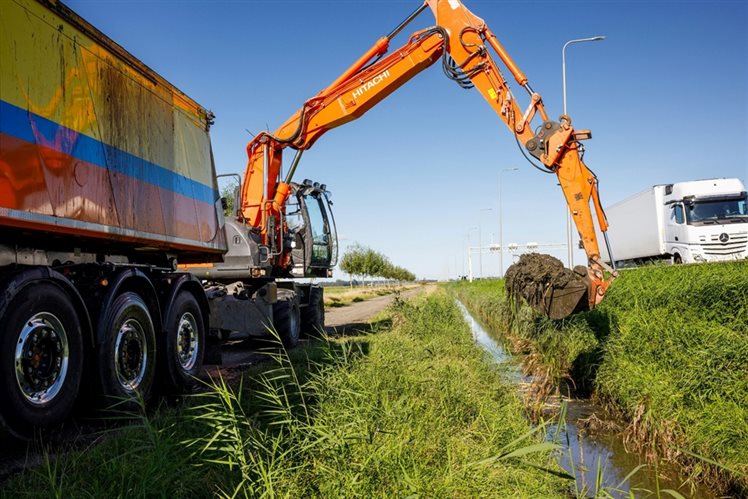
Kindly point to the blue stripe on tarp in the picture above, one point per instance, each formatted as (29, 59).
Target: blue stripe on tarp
(16, 122)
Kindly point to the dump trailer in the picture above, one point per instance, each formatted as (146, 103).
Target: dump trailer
(107, 187)
(683, 222)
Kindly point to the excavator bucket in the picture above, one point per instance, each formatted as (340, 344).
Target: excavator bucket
(547, 286)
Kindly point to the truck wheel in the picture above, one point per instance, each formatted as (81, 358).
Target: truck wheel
(182, 344)
(677, 260)
(127, 357)
(287, 318)
(41, 352)
(313, 315)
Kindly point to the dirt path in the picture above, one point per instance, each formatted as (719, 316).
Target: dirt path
(359, 314)
(356, 316)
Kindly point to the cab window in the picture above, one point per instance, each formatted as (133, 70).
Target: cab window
(678, 215)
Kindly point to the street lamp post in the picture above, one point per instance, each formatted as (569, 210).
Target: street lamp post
(569, 246)
(470, 253)
(501, 232)
(480, 244)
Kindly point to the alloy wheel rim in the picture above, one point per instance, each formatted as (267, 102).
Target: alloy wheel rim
(42, 358)
(187, 341)
(130, 354)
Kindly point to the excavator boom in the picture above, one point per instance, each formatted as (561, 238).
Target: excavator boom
(463, 43)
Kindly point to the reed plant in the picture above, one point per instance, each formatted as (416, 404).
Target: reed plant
(667, 349)
(408, 411)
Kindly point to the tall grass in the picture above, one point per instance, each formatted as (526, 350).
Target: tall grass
(668, 349)
(677, 365)
(142, 458)
(409, 411)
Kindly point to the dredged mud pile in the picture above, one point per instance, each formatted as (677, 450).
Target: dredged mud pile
(546, 285)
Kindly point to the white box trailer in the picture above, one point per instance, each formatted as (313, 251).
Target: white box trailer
(684, 222)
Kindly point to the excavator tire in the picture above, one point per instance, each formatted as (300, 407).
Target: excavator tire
(546, 285)
(313, 315)
(287, 318)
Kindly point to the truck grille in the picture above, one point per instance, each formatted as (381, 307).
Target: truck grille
(736, 243)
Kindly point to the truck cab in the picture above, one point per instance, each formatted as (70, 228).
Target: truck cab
(706, 220)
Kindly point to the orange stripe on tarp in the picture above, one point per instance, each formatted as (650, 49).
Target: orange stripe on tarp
(45, 181)
(36, 129)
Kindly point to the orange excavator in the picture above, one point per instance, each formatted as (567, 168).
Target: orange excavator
(463, 43)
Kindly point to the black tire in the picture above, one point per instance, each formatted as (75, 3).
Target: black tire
(313, 315)
(287, 318)
(677, 260)
(127, 355)
(41, 359)
(182, 346)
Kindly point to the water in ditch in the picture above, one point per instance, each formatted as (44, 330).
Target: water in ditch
(588, 453)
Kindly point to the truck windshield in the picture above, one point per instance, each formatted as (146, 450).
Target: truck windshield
(717, 211)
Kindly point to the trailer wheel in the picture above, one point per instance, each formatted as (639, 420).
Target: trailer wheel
(127, 357)
(287, 318)
(41, 352)
(313, 315)
(182, 344)
(677, 260)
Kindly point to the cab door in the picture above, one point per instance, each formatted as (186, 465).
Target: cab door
(676, 241)
(321, 241)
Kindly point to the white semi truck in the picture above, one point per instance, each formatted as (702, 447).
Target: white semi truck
(684, 222)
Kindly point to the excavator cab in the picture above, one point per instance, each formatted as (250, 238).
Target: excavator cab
(312, 235)
(306, 228)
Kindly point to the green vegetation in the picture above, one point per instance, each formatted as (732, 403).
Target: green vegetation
(362, 261)
(227, 193)
(668, 348)
(412, 410)
(677, 364)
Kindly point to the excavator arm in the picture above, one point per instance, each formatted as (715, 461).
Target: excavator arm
(555, 144)
(462, 42)
(359, 89)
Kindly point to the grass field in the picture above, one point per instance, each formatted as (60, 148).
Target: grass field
(411, 410)
(668, 349)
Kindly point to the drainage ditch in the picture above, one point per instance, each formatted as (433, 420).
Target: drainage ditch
(593, 448)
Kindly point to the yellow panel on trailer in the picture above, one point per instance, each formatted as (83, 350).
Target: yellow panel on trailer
(96, 146)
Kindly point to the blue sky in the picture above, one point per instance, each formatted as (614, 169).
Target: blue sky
(664, 95)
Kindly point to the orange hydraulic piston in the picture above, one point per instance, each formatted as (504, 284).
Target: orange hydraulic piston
(282, 191)
(380, 47)
(448, 12)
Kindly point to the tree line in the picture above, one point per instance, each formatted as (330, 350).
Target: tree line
(365, 262)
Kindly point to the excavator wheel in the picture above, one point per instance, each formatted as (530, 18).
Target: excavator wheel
(546, 285)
